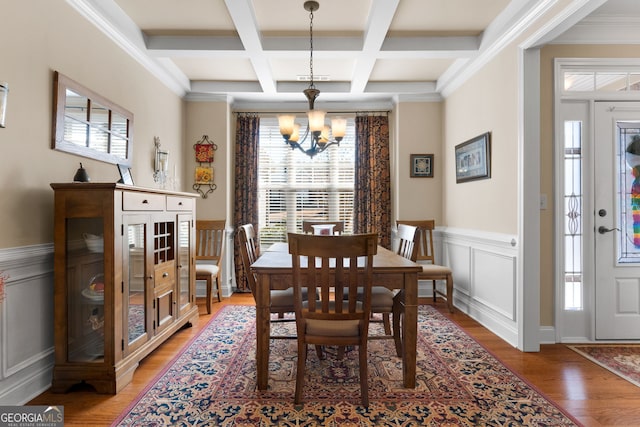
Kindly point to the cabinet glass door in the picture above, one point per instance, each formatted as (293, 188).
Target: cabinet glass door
(136, 301)
(184, 261)
(85, 289)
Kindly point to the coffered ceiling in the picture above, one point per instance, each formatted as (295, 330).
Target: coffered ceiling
(256, 52)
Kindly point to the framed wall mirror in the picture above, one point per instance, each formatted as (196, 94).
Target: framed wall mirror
(89, 125)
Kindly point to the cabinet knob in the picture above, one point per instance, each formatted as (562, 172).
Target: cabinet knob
(165, 274)
(145, 202)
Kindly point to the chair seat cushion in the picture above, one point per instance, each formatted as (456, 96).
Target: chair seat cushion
(284, 298)
(381, 298)
(435, 269)
(333, 328)
(207, 269)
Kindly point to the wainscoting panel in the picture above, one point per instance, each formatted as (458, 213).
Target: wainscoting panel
(485, 277)
(26, 317)
(494, 282)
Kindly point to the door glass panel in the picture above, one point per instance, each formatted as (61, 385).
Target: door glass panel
(628, 135)
(86, 287)
(136, 300)
(573, 215)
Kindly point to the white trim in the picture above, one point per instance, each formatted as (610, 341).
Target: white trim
(528, 282)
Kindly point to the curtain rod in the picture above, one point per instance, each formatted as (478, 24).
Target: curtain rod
(302, 112)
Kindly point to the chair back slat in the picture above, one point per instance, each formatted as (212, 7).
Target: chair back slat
(210, 240)
(425, 238)
(408, 242)
(249, 252)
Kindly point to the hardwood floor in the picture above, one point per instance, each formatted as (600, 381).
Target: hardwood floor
(593, 395)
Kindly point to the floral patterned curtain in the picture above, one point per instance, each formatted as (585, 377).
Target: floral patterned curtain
(372, 198)
(246, 185)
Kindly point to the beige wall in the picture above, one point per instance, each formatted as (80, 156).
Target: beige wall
(485, 103)
(37, 39)
(417, 130)
(211, 119)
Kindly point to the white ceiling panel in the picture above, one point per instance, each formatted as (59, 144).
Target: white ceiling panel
(419, 70)
(331, 69)
(231, 69)
(446, 15)
(284, 16)
(178, 15)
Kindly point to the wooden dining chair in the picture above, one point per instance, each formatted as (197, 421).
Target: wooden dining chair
(426, 257)
(307, 226)
(281, 300)
(384, 300)
(334, 314)
(407, 236)
(210, 241)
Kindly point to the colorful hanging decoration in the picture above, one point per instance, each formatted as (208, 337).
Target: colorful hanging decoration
(633, 158)
(205, 149)
(635, 205)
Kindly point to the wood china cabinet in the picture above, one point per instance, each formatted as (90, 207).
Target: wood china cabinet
(124, 279)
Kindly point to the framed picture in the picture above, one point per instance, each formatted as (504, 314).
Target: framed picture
(204, 153)
(473, 158)
(421, 166)
(125, 175)
(204, 175)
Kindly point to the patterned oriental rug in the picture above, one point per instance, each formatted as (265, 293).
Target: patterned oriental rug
(459, 383)
(622, 360)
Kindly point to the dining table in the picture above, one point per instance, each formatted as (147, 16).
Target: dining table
(273, 271)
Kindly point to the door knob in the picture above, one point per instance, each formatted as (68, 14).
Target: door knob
(602, 229)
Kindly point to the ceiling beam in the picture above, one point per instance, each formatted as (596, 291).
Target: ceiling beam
(380, 17)
(244, 19)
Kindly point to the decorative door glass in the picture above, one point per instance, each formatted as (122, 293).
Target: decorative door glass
(85, 289)
(136, 301)
(628, 136)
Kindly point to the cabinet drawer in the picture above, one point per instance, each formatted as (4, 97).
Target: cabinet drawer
(175, 203)
(165, 274)
(142, 202)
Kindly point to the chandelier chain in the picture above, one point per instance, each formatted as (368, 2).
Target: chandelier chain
(311, 85)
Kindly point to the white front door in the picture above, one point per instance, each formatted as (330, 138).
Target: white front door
(617, 220)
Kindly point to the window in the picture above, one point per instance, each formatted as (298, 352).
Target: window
(293, 187)
(573, 215)
(601, 81)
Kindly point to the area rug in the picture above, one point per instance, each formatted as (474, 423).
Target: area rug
(622, 360)
(459, 383)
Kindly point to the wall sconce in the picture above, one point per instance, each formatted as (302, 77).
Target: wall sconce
(161, 163)
(4, 93)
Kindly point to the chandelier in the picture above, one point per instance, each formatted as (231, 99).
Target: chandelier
(321, 136)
